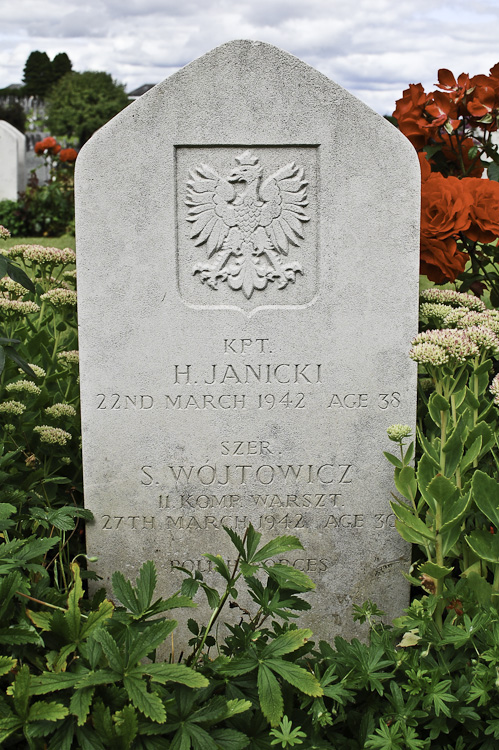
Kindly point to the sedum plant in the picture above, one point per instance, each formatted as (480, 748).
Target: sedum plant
(451, 513)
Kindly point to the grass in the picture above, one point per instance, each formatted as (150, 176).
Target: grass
(66, 240)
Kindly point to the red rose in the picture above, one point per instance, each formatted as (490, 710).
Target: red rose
(425, 167)
(68, 154)
(445, 207)
(441, 107)
(409, 115)
(484, 209)
(440, 260)
(49, 145)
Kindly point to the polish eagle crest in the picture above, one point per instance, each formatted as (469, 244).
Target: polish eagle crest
(247, 232)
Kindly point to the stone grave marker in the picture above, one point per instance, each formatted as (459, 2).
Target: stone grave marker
(247, 241)
(12, 161)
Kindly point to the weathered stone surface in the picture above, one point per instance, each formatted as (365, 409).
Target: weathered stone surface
(12, 161)
(247, 239)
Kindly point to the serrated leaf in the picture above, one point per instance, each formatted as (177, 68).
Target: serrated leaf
(147, 641)
(297, 676)
(434, 571)
(270, 695)
(220, 565)
(20, 691)
(229, 739)
(9, 725)
(6, 664)
(6, 510)
(240, 665)
(123, 590)
(236, 541)
(73, 614)
(145, 584)
(486, 495)
(110, 649)
(163, 673)
(286, 643)
(96, 619)
(150, 704)
(406, 515)
(42, 620)
(49, 682)
(485, 545)
(290, 578)
(277, 546)
(126, 724)
(47, 711)
(80, 703)
(442, 489)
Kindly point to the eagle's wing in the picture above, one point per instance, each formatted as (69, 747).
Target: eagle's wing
(210, 212)
(282, 215)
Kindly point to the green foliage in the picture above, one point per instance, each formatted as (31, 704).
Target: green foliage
(13, 112)
(80, 103)
(40, 74)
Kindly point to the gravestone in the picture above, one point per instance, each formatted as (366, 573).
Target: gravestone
(247, 241)
(12, 161)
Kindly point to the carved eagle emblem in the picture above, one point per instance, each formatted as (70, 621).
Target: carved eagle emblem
(247, 231)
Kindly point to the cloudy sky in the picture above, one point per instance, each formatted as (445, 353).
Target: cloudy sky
(374, 48)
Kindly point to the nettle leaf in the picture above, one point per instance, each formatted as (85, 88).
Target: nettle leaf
(163, 673)
(95, 619)
(152, 637)
(47, 711)
(286, 643)
(277, 546)
(270, 695)
(296, 676)
(150, 704)
(49, 682)
(240, 665)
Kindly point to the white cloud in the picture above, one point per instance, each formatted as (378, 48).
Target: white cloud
(375, 48)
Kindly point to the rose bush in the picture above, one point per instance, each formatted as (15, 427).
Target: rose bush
(452, 130)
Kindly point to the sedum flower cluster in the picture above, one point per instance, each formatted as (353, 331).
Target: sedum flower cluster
(60, 297)
(19, 306)
(12, 407)
(42, 255)
(52, 435)
(23, 386)
(60, 410)
(398, 432)
(69, 358)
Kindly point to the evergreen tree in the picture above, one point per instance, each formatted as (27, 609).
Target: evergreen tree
(61, 64)
(37, 76)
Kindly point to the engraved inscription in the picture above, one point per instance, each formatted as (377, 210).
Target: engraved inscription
(247, 232)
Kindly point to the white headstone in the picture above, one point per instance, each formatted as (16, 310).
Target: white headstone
(12, 161)
(247, 239)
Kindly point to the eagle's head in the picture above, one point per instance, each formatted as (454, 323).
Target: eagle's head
(248, 168)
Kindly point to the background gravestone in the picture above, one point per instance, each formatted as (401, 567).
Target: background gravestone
(12, 161)
(247, 240)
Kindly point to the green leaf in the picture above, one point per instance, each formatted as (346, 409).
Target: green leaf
(485, 545)
(407, 516)
(486, 496)
(442, 489)
(80, 703)
(435, 571)
(297, 676)
(20, 691)
(286, 643)
(236, 541)
(49, 682)
(471, 454)
(9, 725)
(229, 739)
(150, 704)
(123, 590)
(277, 546)
(110, 649)
(47, 711)
(73, 614)
(453, 448)
(425, 473)
(436, 405)
(96, 619)
(163, 673)
(429, 449)
(454, 511)
(240, 665)
(393, 459)
(252, 541)
(126, 724)
(145, 584)
(405, 482)
(270, 695)
(493, 171)
(220, 565)
(153, 636)
(6, 664)
(289, 578)
(21, 277)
